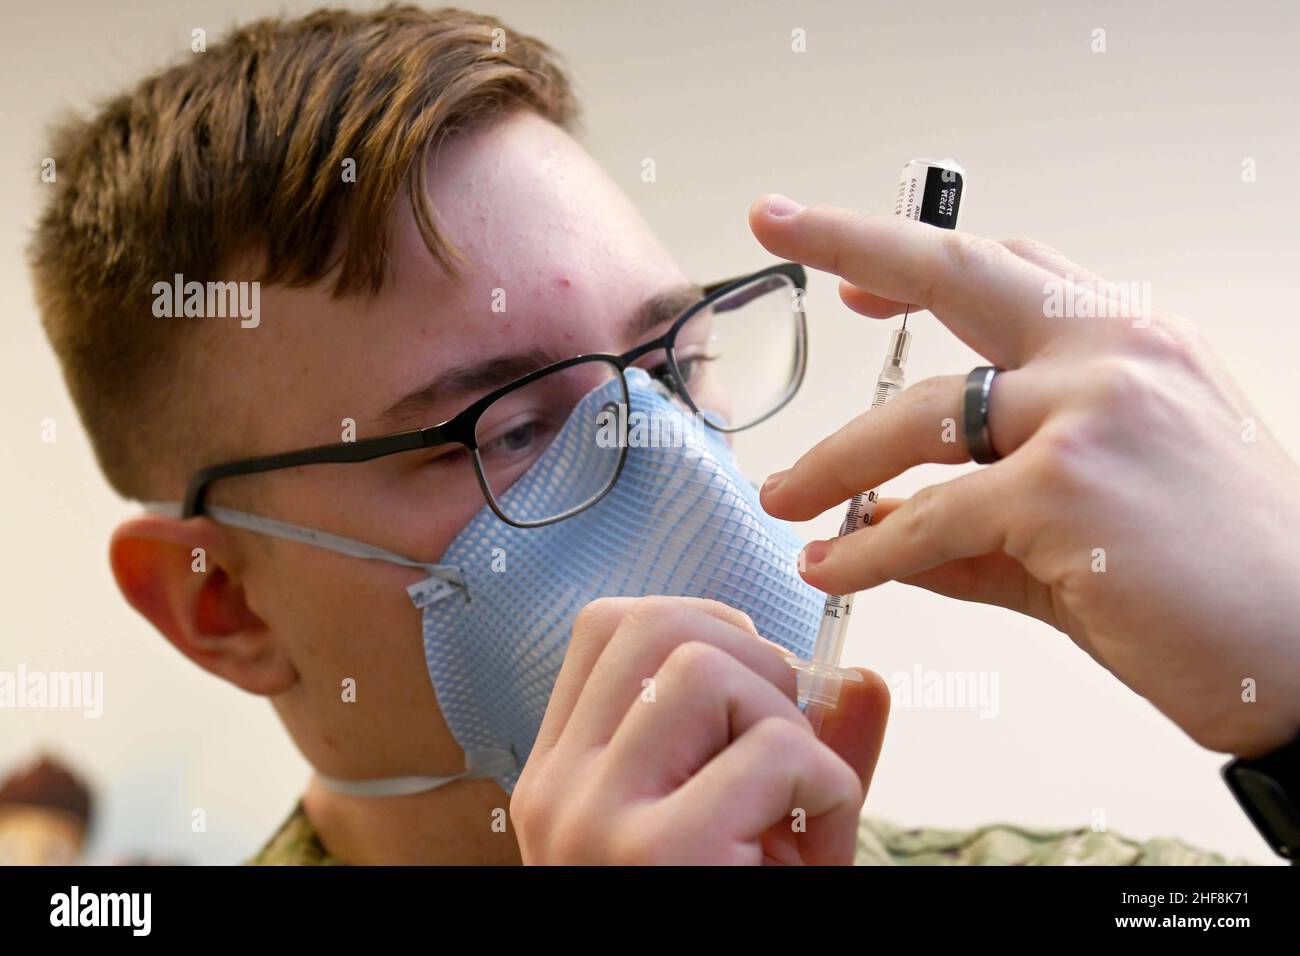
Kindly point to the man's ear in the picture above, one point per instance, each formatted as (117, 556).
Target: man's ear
(185, 577)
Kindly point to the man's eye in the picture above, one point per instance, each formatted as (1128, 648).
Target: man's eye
(663, 373)
(517, 439)
(688, 368)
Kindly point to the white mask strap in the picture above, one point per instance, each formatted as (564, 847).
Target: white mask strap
(478, 763)
(321, 539)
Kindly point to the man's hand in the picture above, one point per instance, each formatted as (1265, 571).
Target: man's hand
(1140, 505)
(672, 737)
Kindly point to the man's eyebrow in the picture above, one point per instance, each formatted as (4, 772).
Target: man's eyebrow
(482, 377)
(476, 379)
(660, 309)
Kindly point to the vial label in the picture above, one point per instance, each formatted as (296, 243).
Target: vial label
(929, 194)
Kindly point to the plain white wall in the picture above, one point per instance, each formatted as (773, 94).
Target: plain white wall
(1128, 160)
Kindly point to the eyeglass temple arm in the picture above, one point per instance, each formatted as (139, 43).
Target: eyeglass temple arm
(338, 453)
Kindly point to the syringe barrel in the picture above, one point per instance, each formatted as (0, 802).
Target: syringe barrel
(835, 623)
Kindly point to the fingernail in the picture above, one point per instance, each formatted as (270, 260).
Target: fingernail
(773, 480)
(778, 205)
(815, 552)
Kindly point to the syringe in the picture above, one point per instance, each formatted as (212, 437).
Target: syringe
(929, 191)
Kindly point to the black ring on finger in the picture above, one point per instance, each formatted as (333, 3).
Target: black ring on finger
(975, 425)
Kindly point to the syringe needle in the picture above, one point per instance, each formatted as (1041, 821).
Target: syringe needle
(906, 313)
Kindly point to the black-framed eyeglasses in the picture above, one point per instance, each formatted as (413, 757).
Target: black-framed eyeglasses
(734, 358)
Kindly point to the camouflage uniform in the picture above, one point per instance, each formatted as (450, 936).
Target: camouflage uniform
(882, 844)
(295, 844)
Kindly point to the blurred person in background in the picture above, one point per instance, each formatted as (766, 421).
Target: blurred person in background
(45, 812)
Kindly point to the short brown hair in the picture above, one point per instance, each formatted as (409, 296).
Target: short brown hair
(238, 151)
(45, 782)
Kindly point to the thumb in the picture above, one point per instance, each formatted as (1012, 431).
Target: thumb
(855, 729)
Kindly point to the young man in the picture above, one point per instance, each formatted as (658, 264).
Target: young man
(411, 227)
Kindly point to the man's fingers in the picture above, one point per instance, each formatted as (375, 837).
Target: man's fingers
(874, 447)
(775, 774)
(701, 699)
(592, 629)
(868, 303)
(1031, 250)
(923, 424)
(650, 630)
(962, 518)
(997, 579)
(855, 729)
(1052, 260)
(991, 298)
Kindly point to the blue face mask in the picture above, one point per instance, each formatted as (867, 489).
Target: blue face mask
(499, 607)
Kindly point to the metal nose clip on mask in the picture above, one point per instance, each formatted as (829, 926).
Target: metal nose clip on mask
(498, 609)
